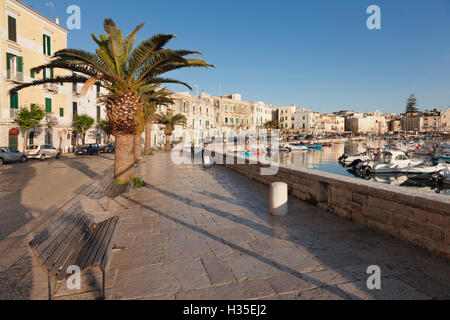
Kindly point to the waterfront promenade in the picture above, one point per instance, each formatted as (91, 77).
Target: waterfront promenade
(195, 233)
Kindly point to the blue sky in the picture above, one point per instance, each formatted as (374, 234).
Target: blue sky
(313, 53)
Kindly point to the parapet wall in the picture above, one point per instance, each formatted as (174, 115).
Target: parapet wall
(418, 217)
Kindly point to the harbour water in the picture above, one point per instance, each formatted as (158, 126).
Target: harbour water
(326, 160)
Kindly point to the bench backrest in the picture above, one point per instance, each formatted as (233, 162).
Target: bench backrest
(61, 243)
(112, 189)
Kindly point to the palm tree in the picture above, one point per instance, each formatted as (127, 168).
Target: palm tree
(151, 97)
(122, 69)
(169, 121)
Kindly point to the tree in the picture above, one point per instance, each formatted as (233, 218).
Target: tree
(411, 104)
(151, 97)
(169, 121)
(122, 69)
(28, 118)
(82, 123)
(271, 125)
(104, 125)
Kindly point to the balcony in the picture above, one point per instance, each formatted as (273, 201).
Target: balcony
(52, 87)
(76, 91)
(13, 113)
(14, 76)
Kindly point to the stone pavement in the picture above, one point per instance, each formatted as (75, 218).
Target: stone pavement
(195, 233)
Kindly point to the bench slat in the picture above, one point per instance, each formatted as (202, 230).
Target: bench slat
(105, 258)
(107, 241)
(84, 254)
(75, 252)
(47, 243)
(65, 249)
(44, 235)
(98, 246)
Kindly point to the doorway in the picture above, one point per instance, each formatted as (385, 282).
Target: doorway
(14, 138)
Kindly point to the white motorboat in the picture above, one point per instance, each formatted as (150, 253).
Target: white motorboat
(397, 162)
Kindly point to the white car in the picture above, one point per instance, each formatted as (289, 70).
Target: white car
(42, 152)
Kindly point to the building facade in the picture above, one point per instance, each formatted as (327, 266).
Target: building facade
(23, 48)
(445, 120)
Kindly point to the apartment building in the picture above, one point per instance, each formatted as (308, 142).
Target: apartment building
(445, 120)
(329, 123)
(262, 114)
(234, 113)
(303, 120)
(29, 39)
(286, 119)
(371, 122)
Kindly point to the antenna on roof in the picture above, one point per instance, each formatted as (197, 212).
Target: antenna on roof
(52, 5)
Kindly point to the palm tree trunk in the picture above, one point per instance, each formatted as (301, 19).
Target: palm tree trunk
(138, 147)
(124, 158)
(168, 136)
(148, 138)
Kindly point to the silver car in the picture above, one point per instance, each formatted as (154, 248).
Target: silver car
(8, 154)
(42, 152)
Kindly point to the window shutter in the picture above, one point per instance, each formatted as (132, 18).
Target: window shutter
(32, 74)
(43, 43)
(51, 74)
(48, 105)
(19, 64)
(49, 46)
(45, 74)
(14, 101)
(12, 32)
(61, 112)
(8, 61)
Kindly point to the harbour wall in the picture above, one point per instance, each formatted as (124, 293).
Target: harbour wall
(417, 217)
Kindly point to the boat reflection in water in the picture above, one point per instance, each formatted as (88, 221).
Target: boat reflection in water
(326, 160)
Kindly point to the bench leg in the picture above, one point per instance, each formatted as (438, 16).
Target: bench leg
(52, 289)
(104, 284)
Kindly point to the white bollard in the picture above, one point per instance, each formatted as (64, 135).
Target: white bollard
(279, 199)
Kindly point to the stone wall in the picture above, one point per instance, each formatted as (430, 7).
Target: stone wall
(418, 217)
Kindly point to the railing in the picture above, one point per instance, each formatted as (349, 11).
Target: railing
(14, 76)
(13, 113)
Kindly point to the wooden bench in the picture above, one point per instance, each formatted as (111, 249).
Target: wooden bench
(112, 190)
(74, 239)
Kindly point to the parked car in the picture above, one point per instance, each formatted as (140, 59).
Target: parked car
(90, 150)
(108, 148)
(42, 152)
(8, 154)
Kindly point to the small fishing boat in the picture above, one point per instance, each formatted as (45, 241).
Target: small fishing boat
(314, 146)
(393, 161)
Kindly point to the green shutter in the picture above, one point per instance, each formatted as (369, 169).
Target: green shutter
(32, 74)
(43, 43)
(48, 105)
(8, 61)
(14, 101)
(45, 74)
(49, 46)
(51, 73)
(61, 112)
(19, 64)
